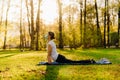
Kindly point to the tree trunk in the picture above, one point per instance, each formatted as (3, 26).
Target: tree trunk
(108, 25)
(105, 26)
(6, 24)
(2, 11)
(28, 19)
(81, 39)
(21, 33)
(24, 37)
(32, 27)
(70, 26)
(84, 41)
(38, 26)
(99, 35)
(118, 26)
(60, 25)
(81, 27)
(74, 39)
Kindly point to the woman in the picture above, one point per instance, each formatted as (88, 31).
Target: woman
(53, 54)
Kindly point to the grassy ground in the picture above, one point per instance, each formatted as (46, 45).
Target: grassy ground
(15, 65)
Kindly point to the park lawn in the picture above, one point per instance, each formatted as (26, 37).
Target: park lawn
(16, 65)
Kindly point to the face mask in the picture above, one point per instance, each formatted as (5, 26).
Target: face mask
(46, 36)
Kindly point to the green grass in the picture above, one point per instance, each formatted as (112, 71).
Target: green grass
(16, 65)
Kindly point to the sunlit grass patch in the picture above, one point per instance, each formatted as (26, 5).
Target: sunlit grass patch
(16, 65)
(89, 72)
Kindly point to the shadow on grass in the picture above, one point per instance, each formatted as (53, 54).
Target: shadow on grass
(52, 72)
(7, 56)
(9, 52)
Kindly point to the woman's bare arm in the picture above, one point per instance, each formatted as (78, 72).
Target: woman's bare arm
(49, 53)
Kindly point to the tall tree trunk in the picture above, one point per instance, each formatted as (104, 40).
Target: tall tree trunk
(108, 24)
(2, 12)
(6, 24)
(81, 5)
(21, 33)
(74, 39)
(118, 25)
(32, 27)
(24, 37)
(105, 26)
(70, 26)
(84, 39)
(38, 26)
(28, 19)
(60, 25)
(99, 35)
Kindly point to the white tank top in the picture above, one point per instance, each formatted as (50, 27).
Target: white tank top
(54, 53)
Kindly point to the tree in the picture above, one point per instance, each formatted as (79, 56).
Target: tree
(32, 47)
(21, 32)
(2, 12)
(70, 18)
(28, 18)
(84, 39)
(6, 25)
(38, 26)
(24, 36)
(118, 24)
(60, 24)
(108, 24)
(81, 11)
(99, 36)
(81, 22)
(105, 26)
(72, 28)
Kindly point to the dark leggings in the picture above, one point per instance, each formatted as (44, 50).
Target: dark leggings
(63, 59)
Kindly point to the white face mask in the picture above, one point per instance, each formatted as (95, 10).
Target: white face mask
(46, 36)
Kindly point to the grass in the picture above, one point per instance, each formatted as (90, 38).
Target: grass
(16, 65)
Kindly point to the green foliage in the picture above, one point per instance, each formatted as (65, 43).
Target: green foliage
(71, 36)
(114, 38)
(70, 26)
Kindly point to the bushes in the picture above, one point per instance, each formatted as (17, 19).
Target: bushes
(114, 39)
